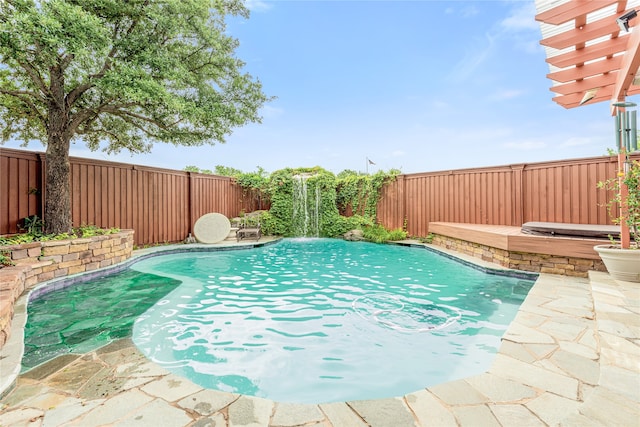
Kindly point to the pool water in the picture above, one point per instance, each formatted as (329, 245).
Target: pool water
(86, 316)
(324, 320)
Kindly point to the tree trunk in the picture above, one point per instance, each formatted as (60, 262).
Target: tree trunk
(57, 208)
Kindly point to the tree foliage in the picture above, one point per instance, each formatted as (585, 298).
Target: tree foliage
(197, 170)
(119, 75)
(630, 212)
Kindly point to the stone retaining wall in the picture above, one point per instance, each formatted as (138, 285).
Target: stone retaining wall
(38, 262)
(537, 263)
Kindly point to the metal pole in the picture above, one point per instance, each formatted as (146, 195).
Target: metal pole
(634, 132)
(625, 134)
(627, 131)
(617, 121)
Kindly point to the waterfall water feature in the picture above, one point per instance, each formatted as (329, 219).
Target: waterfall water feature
(306, 207)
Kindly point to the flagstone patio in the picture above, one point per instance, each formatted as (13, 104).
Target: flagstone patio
(570, 357)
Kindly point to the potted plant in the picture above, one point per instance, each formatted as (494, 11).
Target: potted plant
(624, 263)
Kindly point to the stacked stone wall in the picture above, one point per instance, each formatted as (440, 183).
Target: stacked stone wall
(38, 262)
(537, 263)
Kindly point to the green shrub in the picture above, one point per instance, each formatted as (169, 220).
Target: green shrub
(5, 259)
(378, 234)
(36, 235)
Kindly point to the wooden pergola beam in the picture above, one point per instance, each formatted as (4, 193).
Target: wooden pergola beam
(589, 53)
(606, 68)
(592, 69)
(603, 27)
(628, 68)
(581, 86)
(568, 11)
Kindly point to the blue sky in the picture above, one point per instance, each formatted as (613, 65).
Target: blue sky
(414, 85)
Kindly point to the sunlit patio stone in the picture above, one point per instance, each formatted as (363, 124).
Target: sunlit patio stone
(207, 402)
(479, 415)
(515, 415)
(584, 369)
(292, 414)
(551, 408)
(560, 363)
(154, 413)
(500, 390)
(250, 411)
(429, 410)
(171, 388)
(384, 412)
(535, 376)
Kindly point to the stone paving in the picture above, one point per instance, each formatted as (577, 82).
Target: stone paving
(571, 357)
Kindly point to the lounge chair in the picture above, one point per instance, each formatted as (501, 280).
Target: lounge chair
(248, 230)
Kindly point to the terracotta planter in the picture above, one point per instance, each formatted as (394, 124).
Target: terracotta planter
(622, 264)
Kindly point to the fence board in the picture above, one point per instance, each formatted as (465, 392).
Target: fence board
(20, 193)
(162, 205)
(157, 203)
(560, 191)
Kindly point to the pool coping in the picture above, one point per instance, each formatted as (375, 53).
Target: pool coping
(570, 355)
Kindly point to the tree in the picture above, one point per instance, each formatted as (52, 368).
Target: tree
(119, 75)
(197, 170)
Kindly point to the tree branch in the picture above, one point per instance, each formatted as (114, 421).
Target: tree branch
(65, 61)
(79, 90)
(35, 77)
(129, 115)
(24, 96)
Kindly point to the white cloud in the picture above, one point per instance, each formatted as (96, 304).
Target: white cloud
(440, 104)
(525, 145)
(519, 27)
(257, 5)
(269, 111)
(507, 94)
(521, 18)
(464, 12)
(576, 142)
(469, 11)
(473, 59)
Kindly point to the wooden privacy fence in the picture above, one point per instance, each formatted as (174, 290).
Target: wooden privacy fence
(560, 191)
(160, 205)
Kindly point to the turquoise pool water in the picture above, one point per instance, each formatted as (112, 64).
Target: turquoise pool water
(323, 320)
(87, 315)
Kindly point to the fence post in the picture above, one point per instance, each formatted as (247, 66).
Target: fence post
(402, 203)
(190, 209)
(43, 184)
(518, 196)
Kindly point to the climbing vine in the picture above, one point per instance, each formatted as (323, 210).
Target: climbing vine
(346, 202)
(362, 192)
(254, 184)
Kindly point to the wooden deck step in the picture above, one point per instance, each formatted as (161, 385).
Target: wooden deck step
(514, 240)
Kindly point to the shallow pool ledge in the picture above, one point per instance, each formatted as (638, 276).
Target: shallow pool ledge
(569, 357)
(92, 257)
(39, 262)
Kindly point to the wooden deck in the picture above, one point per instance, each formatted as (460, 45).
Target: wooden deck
(514, 240)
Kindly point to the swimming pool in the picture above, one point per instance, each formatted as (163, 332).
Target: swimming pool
(320, 320)
(323, 320)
